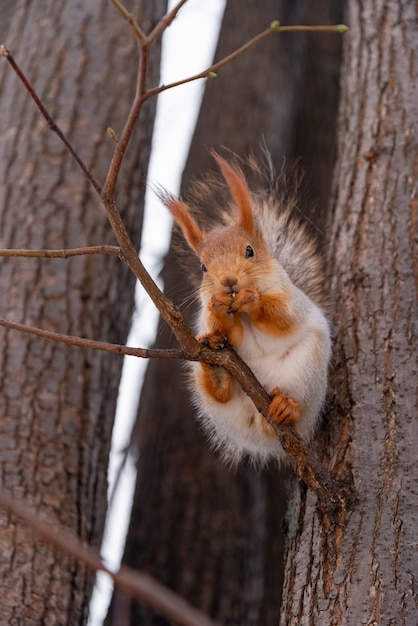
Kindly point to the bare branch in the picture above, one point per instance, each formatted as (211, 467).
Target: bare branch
(274, 27)
(334, 495)
(324, 28)
(52, 124)
(169, 312)
(64, 253)
(109, 187)
(137, 584)
(130, 18)
(165, 22)
(331, 492)
(70, 340)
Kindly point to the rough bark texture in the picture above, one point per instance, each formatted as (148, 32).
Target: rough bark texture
(57, 403)
(366, 572)
(213, 535)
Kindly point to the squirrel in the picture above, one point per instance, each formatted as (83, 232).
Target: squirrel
(261, 292)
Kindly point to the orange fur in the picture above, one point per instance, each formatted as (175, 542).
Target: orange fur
(181, 214)
(240, 192)
(216, 381)
(271, 316)
(222, 322)
(269, 313)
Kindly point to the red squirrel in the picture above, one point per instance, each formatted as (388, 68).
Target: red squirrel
(262, 292)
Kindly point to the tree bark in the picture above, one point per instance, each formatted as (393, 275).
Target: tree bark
(212, 535)
(57, 403)
(364, 572)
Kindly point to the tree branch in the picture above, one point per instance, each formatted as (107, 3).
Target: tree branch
(108, 193)
(130, 18)
(335, 497)
(50, 121)
(274, 27)
(109, 188)
(80, 342)
(64, 253)
(333, 494)
(137, 584)
(169, 312)
(165, 21)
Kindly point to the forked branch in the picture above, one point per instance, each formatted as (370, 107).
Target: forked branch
(274, 27)
(333, 495)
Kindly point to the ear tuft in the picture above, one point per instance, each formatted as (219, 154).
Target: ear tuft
(181, 214)
(235, 179)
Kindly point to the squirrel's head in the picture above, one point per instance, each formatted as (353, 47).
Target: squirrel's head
(232, 256)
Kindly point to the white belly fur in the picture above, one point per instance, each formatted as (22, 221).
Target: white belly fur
(297, 365)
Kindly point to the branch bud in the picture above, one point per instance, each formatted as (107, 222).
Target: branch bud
(112, 135)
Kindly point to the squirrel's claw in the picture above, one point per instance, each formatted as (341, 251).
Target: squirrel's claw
(216, 341)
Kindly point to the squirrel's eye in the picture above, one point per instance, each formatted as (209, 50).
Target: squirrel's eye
(203, 267)
(249, 252)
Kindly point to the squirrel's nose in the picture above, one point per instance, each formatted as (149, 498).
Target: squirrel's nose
(229, 282)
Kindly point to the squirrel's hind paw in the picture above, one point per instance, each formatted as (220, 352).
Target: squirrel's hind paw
(283, 409)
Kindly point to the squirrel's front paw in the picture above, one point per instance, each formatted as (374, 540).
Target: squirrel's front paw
(216, 340)
(220, 305)
(283, 410)
(245, 300)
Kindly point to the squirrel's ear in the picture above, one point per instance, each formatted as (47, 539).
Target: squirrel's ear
(235, 179)
(181, 214)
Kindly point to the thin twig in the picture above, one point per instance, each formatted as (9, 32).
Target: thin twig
(138, 585)
(45, 113)
(64, 253)
(324, 28)
(169, 312)
(130, 18)
(211, 71)
(165, 22)
(70, 340)
(109, 188)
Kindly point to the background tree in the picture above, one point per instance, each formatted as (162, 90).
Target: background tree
(367, 573)
(57, 403)
(213, 535)
(335, 573)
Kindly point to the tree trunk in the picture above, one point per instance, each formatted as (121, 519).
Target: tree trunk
(365, 572)
(57, 403)
(212, 535)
